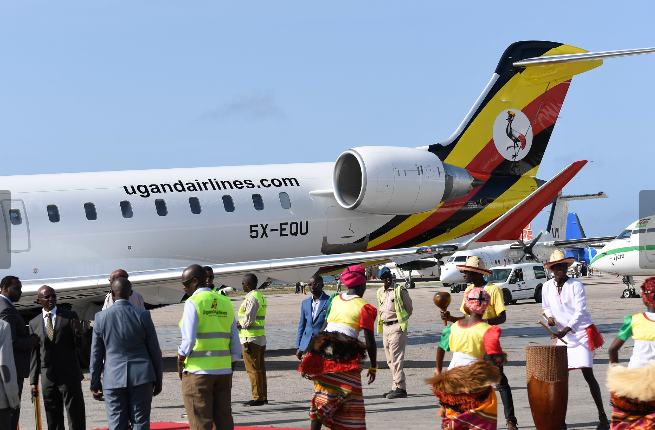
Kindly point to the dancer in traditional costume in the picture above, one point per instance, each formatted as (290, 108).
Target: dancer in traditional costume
(565, 306)
(633, 388)
(335, 358)
(465, 390)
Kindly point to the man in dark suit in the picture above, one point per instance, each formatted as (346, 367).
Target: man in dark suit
(60, 334)
(11, 290)
(312, 315)
(125, 338)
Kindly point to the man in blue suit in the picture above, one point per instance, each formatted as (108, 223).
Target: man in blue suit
(312, 315)
(125, 338)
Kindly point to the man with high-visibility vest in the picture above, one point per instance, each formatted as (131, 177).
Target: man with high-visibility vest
(395, 309)
(206, 358)
(252, 332)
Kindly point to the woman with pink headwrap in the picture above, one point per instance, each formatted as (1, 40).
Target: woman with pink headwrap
(633, 388)
(465, 390)
(335, 357)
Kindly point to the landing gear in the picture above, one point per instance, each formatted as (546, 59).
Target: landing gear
(408, 279)
(630, 291)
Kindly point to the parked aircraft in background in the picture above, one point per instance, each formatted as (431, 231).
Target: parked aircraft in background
(288, 222)
(561, 224)
(631, 253)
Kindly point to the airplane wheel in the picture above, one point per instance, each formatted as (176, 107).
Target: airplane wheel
(507, 297)
(626, 294)
(412, 285)
(537, 294)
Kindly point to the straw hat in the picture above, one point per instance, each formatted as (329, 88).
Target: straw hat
(474, 264)
(558, 257)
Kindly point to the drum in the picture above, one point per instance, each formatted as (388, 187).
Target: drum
(548, 385)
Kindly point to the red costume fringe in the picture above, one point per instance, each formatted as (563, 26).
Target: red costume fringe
(595, 338)
(462, 402)
(314, 364)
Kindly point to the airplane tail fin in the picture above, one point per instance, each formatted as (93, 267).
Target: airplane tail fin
(507, 130)
(563, 225)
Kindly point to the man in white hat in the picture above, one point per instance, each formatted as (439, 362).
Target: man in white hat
(565, 307)
(473, 272)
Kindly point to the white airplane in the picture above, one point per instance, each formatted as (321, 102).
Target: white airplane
(288, 222)
(536, 250)
(631, 253)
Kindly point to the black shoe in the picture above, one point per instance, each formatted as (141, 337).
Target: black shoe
(387, 393)
(255, 403)
(266, 402)
(398, 394)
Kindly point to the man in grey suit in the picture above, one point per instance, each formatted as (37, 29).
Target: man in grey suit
(124, 336)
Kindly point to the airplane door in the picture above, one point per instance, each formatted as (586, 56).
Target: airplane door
(16, 224)
(648, 240)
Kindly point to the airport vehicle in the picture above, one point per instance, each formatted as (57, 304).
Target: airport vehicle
(631, 253)
(373, 204)
(519, 281)
(560, 225)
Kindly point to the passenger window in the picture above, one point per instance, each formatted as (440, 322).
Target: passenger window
(53, 213)
(258, 202)
(539, 272)
(228, 203)
(519, 275)
(126, 209)
(15, 217)
(90, 210)
(160, 204)
(194, 204)
(285, 201)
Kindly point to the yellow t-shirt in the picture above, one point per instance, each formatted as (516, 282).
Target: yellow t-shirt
(497, 305)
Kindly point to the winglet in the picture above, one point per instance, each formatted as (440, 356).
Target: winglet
(510, 225)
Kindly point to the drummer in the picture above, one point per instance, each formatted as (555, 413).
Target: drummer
(473, 272)
(565, 306)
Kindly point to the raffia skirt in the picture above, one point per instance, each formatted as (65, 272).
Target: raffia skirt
(334, 363)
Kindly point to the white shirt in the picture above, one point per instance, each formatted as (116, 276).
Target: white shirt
(189, 328)
(569, 309)
(315, 304)
(53, 315)
(136, 299)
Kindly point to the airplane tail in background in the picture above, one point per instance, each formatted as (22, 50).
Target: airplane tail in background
(507, 130)
(563, 225)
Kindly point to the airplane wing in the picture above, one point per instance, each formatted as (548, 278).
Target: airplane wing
(581, 241)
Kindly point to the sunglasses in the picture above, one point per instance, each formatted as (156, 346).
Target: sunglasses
(187, 282)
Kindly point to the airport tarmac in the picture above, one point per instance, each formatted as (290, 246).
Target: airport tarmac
(289, 394)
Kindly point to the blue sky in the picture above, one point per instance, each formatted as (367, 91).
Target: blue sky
(92, 86)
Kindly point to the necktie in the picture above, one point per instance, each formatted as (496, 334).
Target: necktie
(50, 332)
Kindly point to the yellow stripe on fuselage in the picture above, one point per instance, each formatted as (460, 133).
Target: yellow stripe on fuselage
(517, 192)
(404, 226)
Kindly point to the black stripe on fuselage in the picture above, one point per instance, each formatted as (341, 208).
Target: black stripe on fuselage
(487, 195)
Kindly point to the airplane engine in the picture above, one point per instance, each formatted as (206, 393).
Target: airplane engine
(396, 181)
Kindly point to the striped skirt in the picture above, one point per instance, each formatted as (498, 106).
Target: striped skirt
(469, 411)
(338, 402)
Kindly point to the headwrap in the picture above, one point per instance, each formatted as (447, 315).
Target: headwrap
(354, 276)
(384, 271)
(477, 300)
(648, 291)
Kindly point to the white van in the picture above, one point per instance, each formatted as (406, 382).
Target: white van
(519, 281)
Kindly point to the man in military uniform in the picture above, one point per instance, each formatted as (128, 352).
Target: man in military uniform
(395, 309)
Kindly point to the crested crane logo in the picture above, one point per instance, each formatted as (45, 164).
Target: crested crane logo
(512, 134)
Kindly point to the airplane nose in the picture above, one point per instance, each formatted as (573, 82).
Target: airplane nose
(451, 275)
(601, 262)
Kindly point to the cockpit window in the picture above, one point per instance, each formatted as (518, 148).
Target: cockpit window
(625, 235)
(460, 259)
(451, 259)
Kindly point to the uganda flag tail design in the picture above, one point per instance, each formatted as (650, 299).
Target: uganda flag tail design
(507, 130)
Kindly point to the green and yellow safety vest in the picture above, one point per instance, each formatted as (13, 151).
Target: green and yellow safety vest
(401, 312)
(257, 327)
(215, 318)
